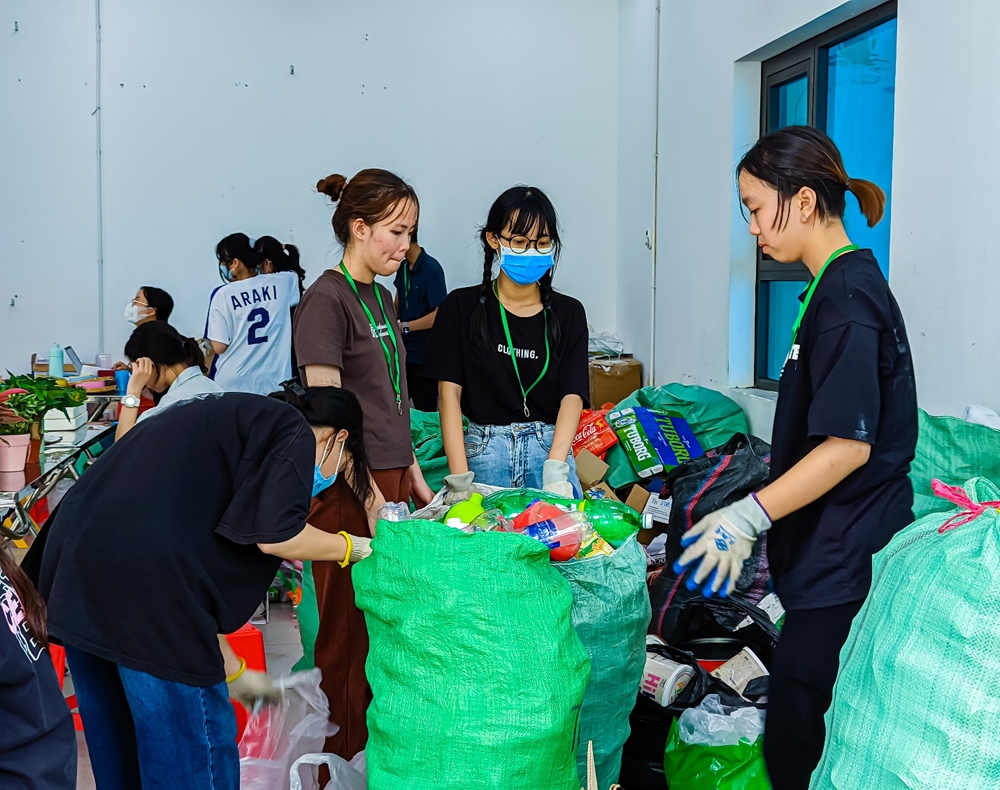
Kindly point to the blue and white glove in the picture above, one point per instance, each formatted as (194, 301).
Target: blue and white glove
(555, 478)
(723, 541)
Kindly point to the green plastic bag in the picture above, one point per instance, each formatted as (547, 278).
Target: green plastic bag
(917, 697)
(689, 766)
(477, 675)
(611, 614)
(953, 451)
(713, 417)
(428, 446)
(307, 615)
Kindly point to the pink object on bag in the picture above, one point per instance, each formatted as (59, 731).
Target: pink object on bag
(971, 510)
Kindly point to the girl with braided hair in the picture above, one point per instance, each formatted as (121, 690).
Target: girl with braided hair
(510, 354)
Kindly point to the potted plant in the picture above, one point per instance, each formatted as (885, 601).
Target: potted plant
(50, 395)
(15, 428)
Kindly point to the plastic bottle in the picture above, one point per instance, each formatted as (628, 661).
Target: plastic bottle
(491, 521)
(563, 534)
(514, 501)
(394, 511)
(615, 521)
(467, 511)
(56, 368)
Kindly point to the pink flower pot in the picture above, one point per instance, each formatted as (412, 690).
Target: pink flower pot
(14, 452)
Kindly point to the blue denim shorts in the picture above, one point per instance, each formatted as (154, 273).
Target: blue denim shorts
(511, 456)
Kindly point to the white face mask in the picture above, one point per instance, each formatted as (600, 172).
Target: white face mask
(132, 313)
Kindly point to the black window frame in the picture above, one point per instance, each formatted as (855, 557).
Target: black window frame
(809, 59)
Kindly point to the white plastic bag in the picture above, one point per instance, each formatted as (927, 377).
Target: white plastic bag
(606, 344)
(715, 724)
(276, 736)
(343, 775)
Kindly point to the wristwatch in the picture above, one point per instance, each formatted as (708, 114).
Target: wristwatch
(131, 402)
(406, 328)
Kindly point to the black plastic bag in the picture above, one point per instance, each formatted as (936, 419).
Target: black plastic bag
(642, 757)
(721, 477)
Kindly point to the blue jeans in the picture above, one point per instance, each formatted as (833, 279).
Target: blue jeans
(146, 732)
(511, 456)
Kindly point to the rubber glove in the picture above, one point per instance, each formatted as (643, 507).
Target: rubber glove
(459, 487)
(252, 687)
(723, 541)
(555, 478)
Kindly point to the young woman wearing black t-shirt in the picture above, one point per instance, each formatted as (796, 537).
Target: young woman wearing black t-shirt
(511, 356)
(845, 430)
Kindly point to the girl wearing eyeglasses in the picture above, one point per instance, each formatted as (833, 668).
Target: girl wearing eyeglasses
(511, 356)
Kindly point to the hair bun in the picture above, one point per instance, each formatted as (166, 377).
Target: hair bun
(332, 186)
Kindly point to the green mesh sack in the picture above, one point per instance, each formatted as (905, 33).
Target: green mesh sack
(307, 615)
(477, 675)
(713, 417)
(917, 698)
(611, 614)
(952, 451)
(428, 447)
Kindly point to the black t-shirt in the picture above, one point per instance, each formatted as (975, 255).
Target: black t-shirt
(490, 391)
(849, 376)
(152, 553)
(37, 739)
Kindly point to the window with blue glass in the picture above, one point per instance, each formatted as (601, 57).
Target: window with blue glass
(844, 83)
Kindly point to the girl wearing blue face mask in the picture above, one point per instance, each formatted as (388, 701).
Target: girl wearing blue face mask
(511, 356)
(345, 499)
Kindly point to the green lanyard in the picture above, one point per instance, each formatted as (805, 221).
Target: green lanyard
(394, 375)
(812, 288)
(513, 354)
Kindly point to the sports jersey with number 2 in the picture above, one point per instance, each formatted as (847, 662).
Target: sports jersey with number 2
(253, 318)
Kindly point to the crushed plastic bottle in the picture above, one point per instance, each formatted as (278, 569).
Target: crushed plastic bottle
(512, 502)
(394, 511)
(491, 521)
(563, 534)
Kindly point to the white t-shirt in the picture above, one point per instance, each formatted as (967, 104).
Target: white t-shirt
(253, 318)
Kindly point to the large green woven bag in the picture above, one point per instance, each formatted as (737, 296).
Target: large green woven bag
(476, 672)
(917, 699)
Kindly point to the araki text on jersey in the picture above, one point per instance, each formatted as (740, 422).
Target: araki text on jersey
(254, 296)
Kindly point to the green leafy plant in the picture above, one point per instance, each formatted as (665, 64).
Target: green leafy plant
(17, 408)
(49, 393)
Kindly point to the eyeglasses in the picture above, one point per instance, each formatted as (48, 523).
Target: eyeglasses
(521, 244)
(137, 303)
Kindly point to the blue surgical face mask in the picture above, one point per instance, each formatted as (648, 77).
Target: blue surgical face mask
(224, 273)
(320, 483)
(525, 268)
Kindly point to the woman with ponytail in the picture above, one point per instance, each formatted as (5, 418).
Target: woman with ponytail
(37, 739)
(845, 432)
(167, 363)
(277, 257)
(511, 356)
(347, 335)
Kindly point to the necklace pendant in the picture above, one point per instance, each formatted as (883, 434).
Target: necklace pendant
(526, 412)
(399, 406)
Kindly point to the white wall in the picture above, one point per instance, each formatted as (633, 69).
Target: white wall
(207, 132)
(636, 145)
(943, 237)
(48, 192)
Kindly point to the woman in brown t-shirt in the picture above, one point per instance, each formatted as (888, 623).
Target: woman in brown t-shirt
(346, 335)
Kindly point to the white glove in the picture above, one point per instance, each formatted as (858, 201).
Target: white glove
(252, 687)
(459, 487)
(555, 478)
(360, 548)
(723, 540)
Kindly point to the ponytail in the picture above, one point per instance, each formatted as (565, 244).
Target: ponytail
(283, 257)
(165, 346)
(336, 408)
(237, 246)
(870, 197)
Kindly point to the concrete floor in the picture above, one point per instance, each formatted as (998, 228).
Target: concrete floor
(281, 645)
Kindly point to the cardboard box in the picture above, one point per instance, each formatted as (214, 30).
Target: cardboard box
(639, 501)
(590, 469)
(613, 380)
(601, 491)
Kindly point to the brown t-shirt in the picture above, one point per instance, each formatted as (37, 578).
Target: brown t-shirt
(331, 328)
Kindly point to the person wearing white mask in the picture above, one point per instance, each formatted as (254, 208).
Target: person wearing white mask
(149, 304)
(511, 356)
